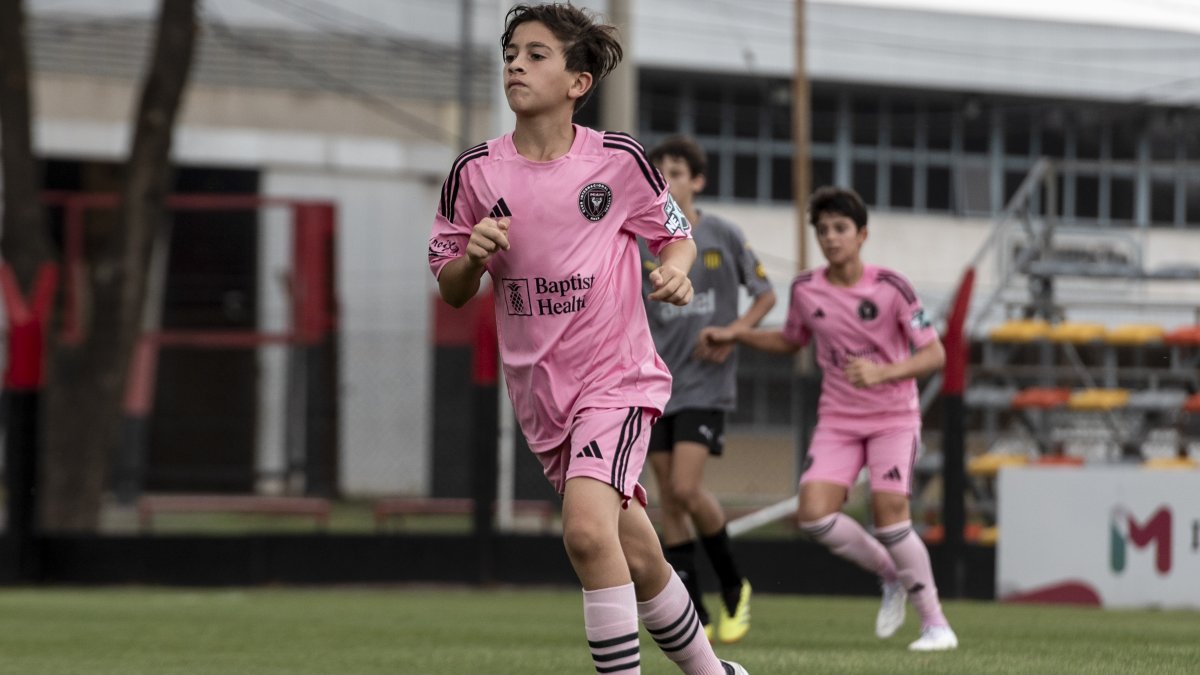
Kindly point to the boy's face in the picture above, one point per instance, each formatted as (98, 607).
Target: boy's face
(683, 185)
(536, 78)
(839, 238)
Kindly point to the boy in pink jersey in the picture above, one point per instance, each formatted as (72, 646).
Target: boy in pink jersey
(551, 212)
(872, 341)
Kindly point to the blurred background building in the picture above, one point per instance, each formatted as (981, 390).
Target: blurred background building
(934, 116)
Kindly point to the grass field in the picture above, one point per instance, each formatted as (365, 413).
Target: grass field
(456, 631)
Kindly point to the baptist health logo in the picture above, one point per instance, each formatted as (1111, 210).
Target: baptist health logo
(1124, 530)
(546, 296)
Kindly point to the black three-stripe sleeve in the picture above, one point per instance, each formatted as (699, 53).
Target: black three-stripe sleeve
(454, 180)
(626, 143)
(900, 284)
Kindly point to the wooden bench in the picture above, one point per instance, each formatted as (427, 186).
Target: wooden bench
(310, 507)
(399, 507)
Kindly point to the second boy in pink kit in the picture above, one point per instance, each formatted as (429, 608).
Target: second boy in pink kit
(872, 339)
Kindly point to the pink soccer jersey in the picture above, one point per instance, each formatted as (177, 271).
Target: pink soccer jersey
(572, 326)
(879, 319)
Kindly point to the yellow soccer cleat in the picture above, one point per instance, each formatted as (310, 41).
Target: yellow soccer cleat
(734, 628)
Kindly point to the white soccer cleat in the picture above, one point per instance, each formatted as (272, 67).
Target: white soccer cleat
(935, 639)
(891, 610)
(732, 668)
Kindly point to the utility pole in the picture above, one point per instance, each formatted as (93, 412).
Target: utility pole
(464, 74)
(618, 105)
(801, 177)
(806, 385)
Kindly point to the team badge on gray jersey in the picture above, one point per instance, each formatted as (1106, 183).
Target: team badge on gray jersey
(594, 200)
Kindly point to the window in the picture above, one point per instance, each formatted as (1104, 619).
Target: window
(864, 182)
(940, 195)
(745, 176)
(781, 178)
(1087, 197)
(904, 124)
(1122, 200)
(865, 119)
(1162, 202)
(707, 109)
(902, 186)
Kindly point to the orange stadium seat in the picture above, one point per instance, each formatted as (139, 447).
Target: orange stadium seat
(1185, 336)
(1041, 397)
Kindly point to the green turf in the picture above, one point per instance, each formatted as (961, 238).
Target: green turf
(454, 631)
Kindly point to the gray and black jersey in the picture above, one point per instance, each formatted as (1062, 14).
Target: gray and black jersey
(723, 263)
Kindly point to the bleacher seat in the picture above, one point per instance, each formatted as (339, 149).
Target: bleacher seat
(1098, 399)
(1192, 404)
(989, 464)
(1187, 336)
(1135, 334)
(1020, 330)
(1076, 332)
(1157, 399)
(1041, 397)
(1171, 463)
(985, 396)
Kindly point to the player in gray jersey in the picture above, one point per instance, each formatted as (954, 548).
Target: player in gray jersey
(704, 387)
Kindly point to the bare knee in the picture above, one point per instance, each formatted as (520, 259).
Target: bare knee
(687, 497)
(585, 541)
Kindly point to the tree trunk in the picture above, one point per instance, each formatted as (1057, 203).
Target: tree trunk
(24, 242)
(88, 379)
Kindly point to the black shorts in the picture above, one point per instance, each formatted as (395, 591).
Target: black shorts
(706, 427)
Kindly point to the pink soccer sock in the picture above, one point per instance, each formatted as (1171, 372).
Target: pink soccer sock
(916, 573)
(845, 537)
(672, 622)
(611, 622)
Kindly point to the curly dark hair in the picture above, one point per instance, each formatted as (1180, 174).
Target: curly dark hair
(681, 147)
(589, 46)
(842, 201)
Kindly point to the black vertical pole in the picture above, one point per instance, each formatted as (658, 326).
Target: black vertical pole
(22, 406)
(485, 432)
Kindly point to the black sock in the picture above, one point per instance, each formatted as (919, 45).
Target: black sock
(683, 558)
(721, 554)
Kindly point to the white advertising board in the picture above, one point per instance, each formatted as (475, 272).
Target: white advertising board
(1112, 536)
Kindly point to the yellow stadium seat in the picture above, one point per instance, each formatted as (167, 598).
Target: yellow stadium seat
(1076, 332)
(1133, 334)
(989, 464)
(1170, 463)
(988, 536)
(1098, 399)
(1020, 330)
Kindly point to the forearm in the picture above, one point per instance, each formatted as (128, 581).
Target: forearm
(924, 361)
(767, 340)
(459, 281)
(679, 254)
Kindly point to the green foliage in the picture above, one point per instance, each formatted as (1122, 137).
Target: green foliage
(456, 631)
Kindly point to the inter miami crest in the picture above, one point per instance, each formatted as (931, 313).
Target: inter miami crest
(867, 310)
(594, 200)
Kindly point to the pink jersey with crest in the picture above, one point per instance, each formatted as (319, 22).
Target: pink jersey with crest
(880, 319)
(572, 326)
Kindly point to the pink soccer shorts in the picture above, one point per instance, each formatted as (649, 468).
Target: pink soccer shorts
(837, 456)
(607, 444)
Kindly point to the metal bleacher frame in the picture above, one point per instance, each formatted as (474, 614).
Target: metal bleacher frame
(1045, 375)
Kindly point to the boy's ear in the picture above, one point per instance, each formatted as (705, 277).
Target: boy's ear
(581, 85)
(698, 184)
